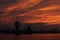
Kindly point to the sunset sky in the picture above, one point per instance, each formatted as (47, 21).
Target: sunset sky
(30, 11)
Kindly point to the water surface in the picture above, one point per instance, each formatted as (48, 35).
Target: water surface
(30, 37)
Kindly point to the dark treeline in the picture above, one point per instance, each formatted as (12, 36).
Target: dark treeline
(29, 30)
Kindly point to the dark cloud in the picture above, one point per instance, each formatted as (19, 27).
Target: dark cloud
(46, 3)
(6, 3)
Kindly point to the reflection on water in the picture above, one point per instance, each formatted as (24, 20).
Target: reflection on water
(30, 37)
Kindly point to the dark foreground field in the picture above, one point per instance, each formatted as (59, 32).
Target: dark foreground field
(29, 36)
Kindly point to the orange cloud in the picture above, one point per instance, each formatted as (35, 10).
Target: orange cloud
(22, 5)
(50, 8)
(35, 16)
(45, 19)
(48, 12)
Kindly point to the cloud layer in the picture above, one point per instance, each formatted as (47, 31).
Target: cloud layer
(30, 11)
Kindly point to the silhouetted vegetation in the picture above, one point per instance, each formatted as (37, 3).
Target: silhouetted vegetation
(29, 30)
(17, 24)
